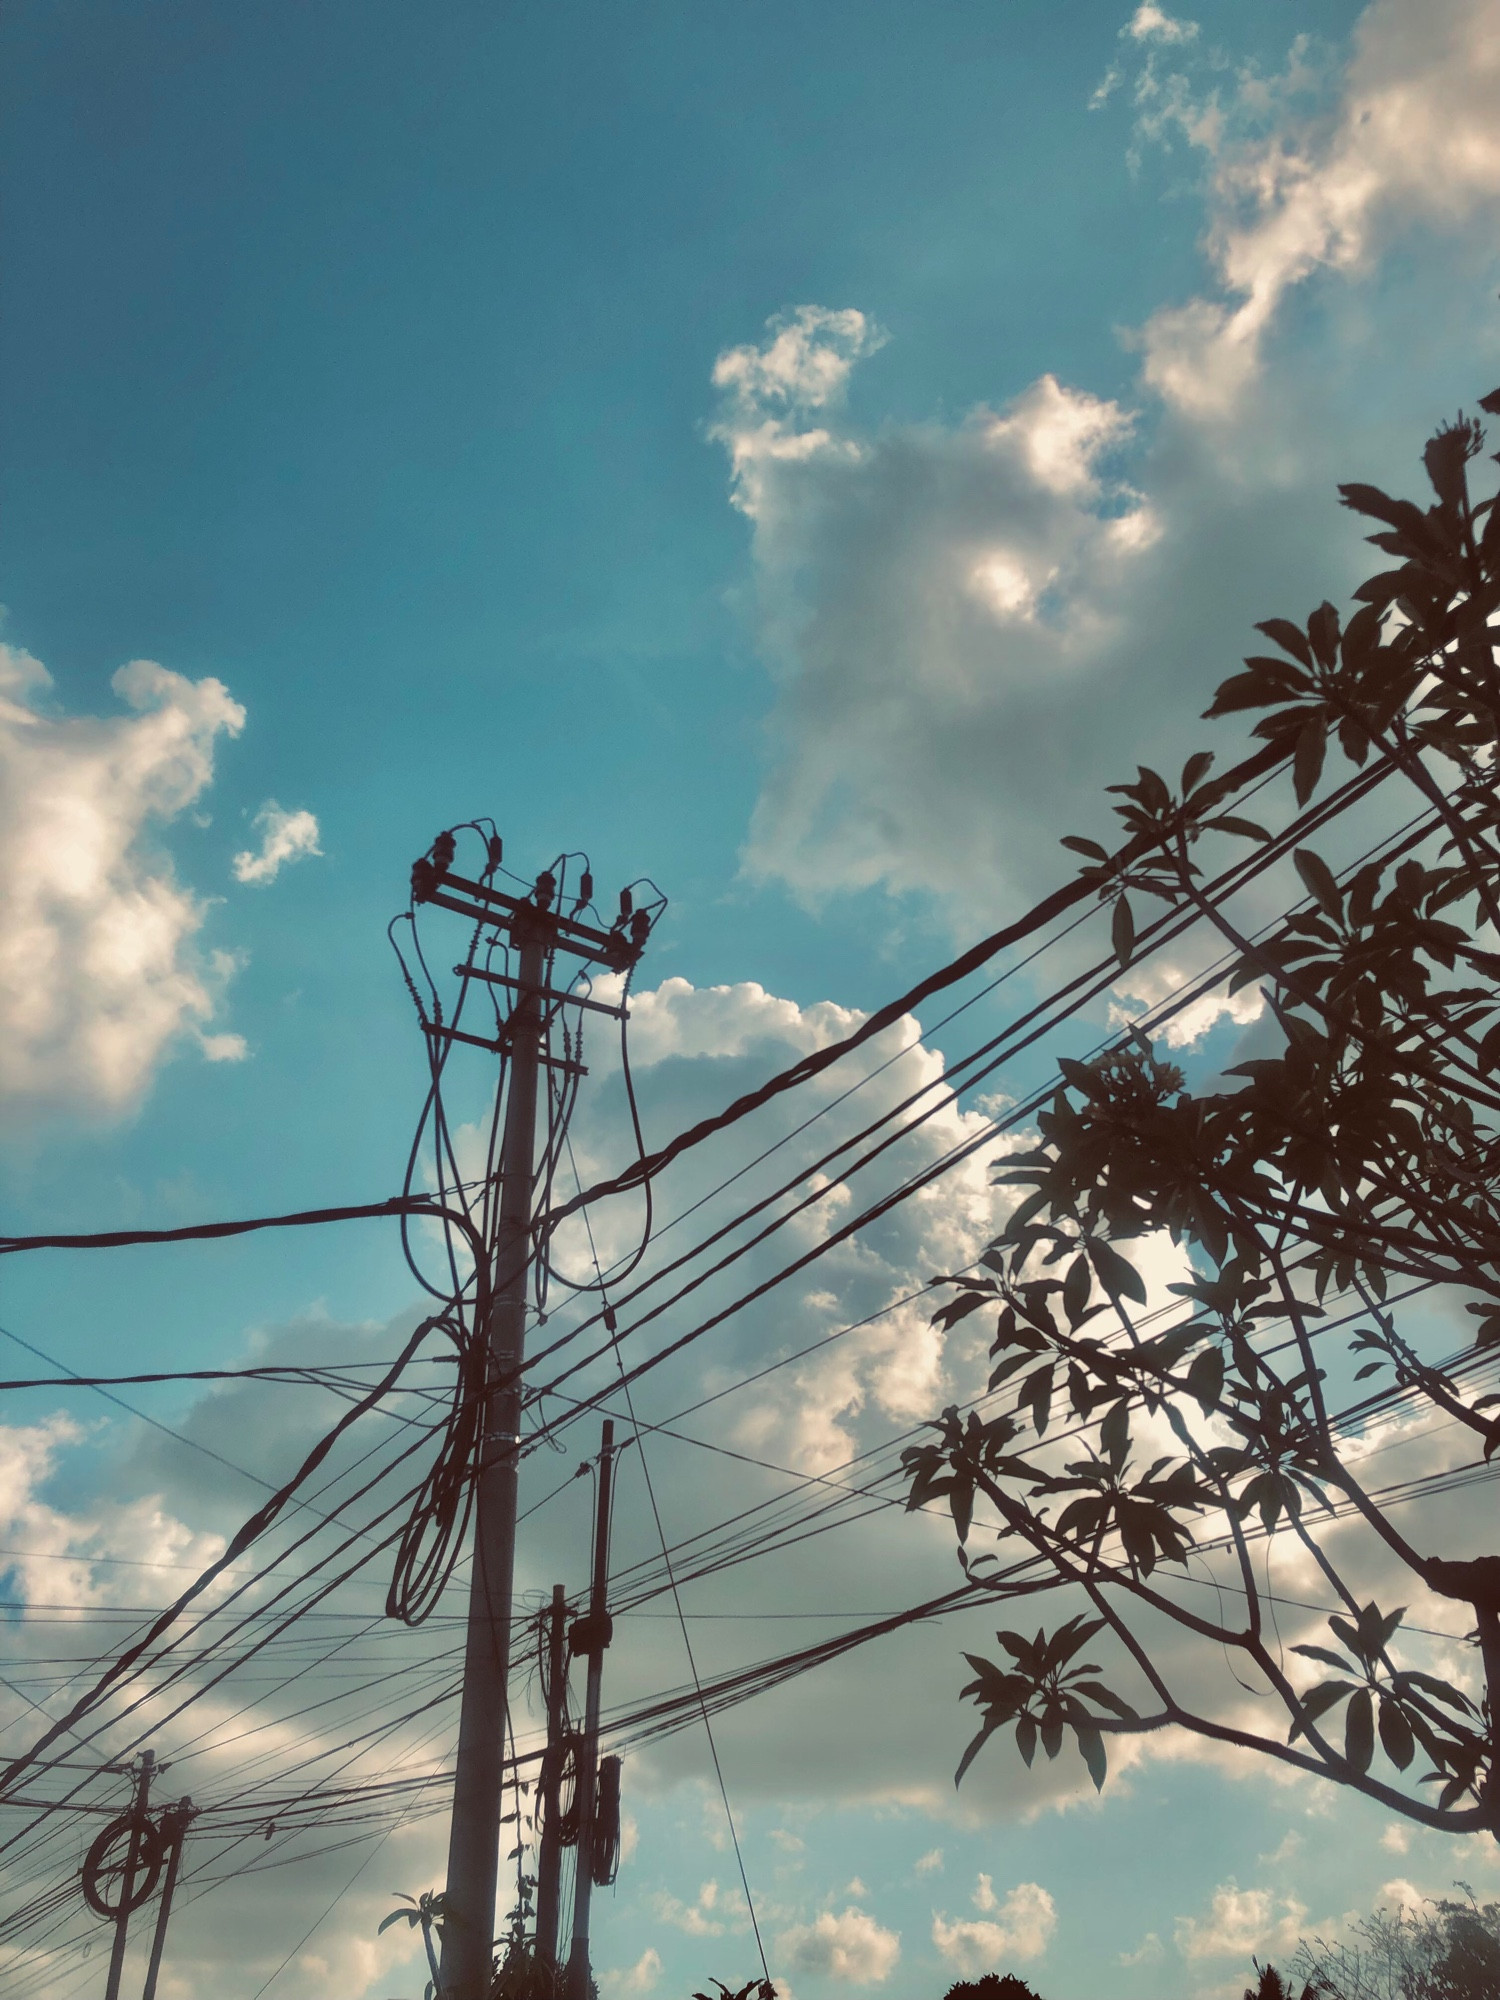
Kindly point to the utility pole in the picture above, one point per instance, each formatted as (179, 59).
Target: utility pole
(538, 930)
(591, 1635)
(140, 1828)
(549, 1861)
(174, 1826)
(474, 1838)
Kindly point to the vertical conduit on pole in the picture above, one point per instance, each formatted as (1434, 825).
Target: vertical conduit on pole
(549, 1861)
(592, 1640)
(474, 1841)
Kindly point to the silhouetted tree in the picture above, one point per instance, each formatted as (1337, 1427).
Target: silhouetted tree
(992, 1986)
(1445, 1951)
(1311, 1191)
(1272, 1986)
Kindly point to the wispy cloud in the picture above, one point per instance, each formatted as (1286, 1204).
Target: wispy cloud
(284, 837)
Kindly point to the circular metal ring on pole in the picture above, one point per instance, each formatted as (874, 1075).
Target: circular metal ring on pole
(106, 1864)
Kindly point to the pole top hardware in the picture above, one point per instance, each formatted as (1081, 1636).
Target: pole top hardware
(433, 881)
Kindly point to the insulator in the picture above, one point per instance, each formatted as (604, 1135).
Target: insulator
(424, 881)
(640, 928)
(627, 904)
(546, 889)
(496, 850)
(442, 852)
(585, 889)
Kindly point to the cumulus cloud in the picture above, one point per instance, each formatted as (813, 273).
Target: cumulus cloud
(1242, 1923)
(1411, 138)
(99, 974)
(704, 1917)
(769, 392)
(1019, 1926)
(638, 1978)
(974, 626)
(852, 1947)
(284, 836)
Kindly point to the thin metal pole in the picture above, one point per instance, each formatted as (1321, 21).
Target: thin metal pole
(175, 1826)
(588, 1756)
(549, 1861)
(474, 1837)
(127, 1887)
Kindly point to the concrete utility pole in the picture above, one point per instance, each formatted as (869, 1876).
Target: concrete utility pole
(174, 1825)
(474, 1838)
(591, 1635)
(538, 929)
(549, 1861)
(139, 1826)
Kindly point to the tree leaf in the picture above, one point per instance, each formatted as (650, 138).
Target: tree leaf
(1116, 1274)
(1114, 1433)
(1395, 1735)
(1316, 1702)
(1249, 829)
(1307, 759)
(1205, 1379)
(1325, 1658)
(1076, 1288)
(1197, 767)
(1359, 1730)
(1091, 1743)
(973, 1751)
(1321, 882)
(1282, 632)
(1026, 1738)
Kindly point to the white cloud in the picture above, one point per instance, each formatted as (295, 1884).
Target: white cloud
(973, 626)
(703, 1917)
(928, 1863)
(1242, 1923)
(123, 1552)
(1153, 980)
(284, 837)
(1150, 1951)
(1285, 1850)
(1150, 24)
(803, 367)
(99, 974)
(1400, 1895)
(1413, 138)
(1020, 1925)
(851, 1947)
(638, 1978)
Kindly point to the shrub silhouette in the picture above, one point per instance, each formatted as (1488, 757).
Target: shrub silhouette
(993, 1986)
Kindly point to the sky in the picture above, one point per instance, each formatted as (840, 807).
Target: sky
(798, 454)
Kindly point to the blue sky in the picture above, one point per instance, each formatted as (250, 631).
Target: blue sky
(635, 424)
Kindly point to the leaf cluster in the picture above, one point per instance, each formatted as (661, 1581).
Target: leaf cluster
(1360, 1158)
